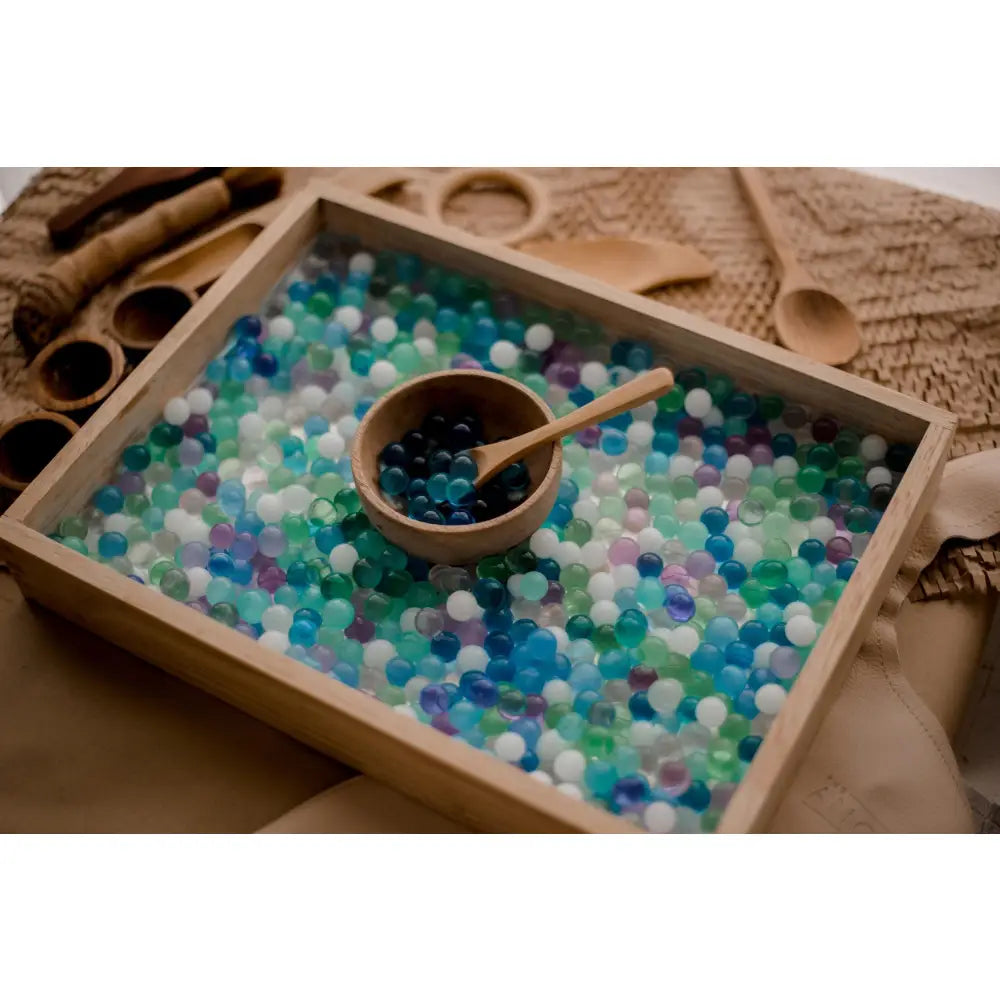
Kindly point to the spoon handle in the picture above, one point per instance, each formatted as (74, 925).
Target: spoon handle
(641, 389)
(753, 187)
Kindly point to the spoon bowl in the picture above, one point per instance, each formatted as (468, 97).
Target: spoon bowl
(507, 409)
(814, 322)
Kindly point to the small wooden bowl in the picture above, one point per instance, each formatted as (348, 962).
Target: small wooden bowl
(28, 444)
(143, 316)
(507, 409)
(77, 371)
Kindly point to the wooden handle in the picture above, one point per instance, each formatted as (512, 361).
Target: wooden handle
(774, 232)
(87, 269)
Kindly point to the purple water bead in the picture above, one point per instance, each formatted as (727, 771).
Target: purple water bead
(222, 535)
(271, 578)
(245, 628)
(707, 475)
(196, 424)
(131, 482)
(301, 373)
(535, 705)
(700, 563)
(836, 514)
(470, 633)
(761, 454)
(838, 549)
(675, 778)
(194, 554)
(324, 656)
(568, 376)
(736, 444)
(443, 724)
(360, 629)
(589, 437)
(674, 573)
(208, 483)
(690, 427)
(554, 594)
(244, 545)
(785, 662)
(326, 379)
(679, 604)
(271, 541)
(637, 498)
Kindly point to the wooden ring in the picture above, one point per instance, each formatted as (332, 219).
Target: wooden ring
(142, 316)
(76, 371)
(531, 189)
(29, 443)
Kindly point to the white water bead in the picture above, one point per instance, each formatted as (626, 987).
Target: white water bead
(378, 652)
(643, 734)
(257, 386)
(504, 354)
(822, 528)
(198, 581)
(801, 630)
(383, 374)
(737, 530)
(593, 375)
(640, 433)
(681, 465)
(625, 575)
(606, 530)
(462, 606)
(711, 712)
(230, 468)
(785, 466)
(509, 747)
(684, 640)
(271, 407)
(709, 496)
(361, 263)
(295, 413)
(424, 329)
(175, 520)
(714, 418)
(426, 348)
(878, 475)
(176, 411)
(601, 586)
(762, 654)
(605, 484)
(594, 555)
(769, 698)
(200, 401)
(570, 790)
(569, 765)
(312, 398)
(567, 554)
(873, 447)
(343, 557)
(405, 710)
(384, 329)
(739, 467)
(281, 328)
(119, 522)
(345, 393)
(349, 317)
(604, 612)
(143, 554)
(278, 641)
(252, 426)
(514, 584)
(277, 618)
(562, 638)
(347, 425)
(697, 403)
(296, 498)
(331, 444)
(649, 540)
(659, 817)
(413, 687)
(796, 608)
(471, 658)
(748, 551)
(665, 695)
(544, 543)
(645, 411)
(408, 620)
(541, 777)
(557, 692)
(539, 336)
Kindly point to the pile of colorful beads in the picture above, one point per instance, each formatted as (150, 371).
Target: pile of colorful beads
(431, 475)
(633, 652)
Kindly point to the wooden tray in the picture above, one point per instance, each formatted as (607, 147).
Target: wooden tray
(460, 781)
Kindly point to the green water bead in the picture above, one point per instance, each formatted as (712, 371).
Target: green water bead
(73, 527)
(597, 741)
(770, 572)
(684, 488)
(225, 612)
(225, 428)
(577, 602)
(785, 488)
(213, 514)
(762, 495)
(671, 401)
(492, 723)
(327, 486)
(822, 610)
(165, 496)
(370, 545)
(776, 525)
(734, 728)
(859, 520)
(347, 501)
(395, 583)
(583, 477)
(575, 455)
(276, 431)
(734, 427)
(159, 568)
(75, 543)
(613, 507)
(824, 457)
(577, 531)
(851, 468)
(834, 590)
(799, 571)
(701, 685)
(750, 511)
(287, 596)
(280, 477)
(424, 595)
(654, 652)
(321, 512)
(406, 358)
(575, 576)
(604, 638)
(174, 583)
(804, 507)
(811, 478)
(227, 449)
(753, 592)
(770, 407)
(320, 356)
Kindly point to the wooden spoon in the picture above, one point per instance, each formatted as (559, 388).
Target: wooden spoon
(491, 458)
(809, 319)
(635, 265)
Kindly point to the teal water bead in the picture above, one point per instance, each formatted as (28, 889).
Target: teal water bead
(630, 628)
(693, 534)
(252, 603)
(534, 586)
(136, 457)
(338, 613)
(220, 590)
(393, 480)
(112, 544)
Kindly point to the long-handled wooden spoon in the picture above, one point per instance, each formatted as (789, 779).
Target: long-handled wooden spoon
(491, 458)
(809, 319)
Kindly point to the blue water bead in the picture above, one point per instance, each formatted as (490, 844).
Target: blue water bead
(112, 544)
(316, 425)
(282, 382)
(300, 291)
(521, 629)
(569, 492)
(302, 633)
(463, 715)
(639, 357)
(585, 677)
(716, 455)
(239, 369)
(731, 680)
(393, 481)
(639, 706)
(308, 615)
(733, 572)
(398, 671)
(715, 519)
(708, 658)
(499, 620)
(447, 320)
(613, 442)
(614, 664)
(265, 364)
(541, 645)
(335, 334)
(528, 729)
(679, 603)
(739, 654)
(753, 633)
(625, 599)
(697, 796)
(362, 406)
(812, 550)
(215, 371)
(778, 634)
(561, 667)
(432, 667)
(445, 645)
(231, 497)
(759, 677)
(530, 680)
(434, 699)
(783, 444)
(812, 593)
(328, 538)
(630, 792)
(549, 568)
(184, 478)
(459, 492)
(846, 569)
(745, 704)
(207, 441)
(769, 614)
(687, 708)
(249, 521)
(649, 593)
(600, 777)
(584, 702)
(242, 572)
(529, 762)
(824, 573)
(667, 442)
(109, 500)
(571, 727)
(220, 563)
(649, 564)
(656, 464)
(500, 669)
(747, 748)
(297, 574)
(497, 643)
(520, 656)
(580, 395)
(719, 547)
(784, 594)
(437, 487)
(560, 515)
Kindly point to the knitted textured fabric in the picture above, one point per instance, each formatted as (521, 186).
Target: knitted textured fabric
(921, 271)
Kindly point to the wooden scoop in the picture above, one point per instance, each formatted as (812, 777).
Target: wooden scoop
(808, 318)
(491, 458)
(635, 265)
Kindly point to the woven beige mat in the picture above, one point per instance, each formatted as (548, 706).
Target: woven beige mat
(921, 271)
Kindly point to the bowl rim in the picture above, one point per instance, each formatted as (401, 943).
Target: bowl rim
(370, 493)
